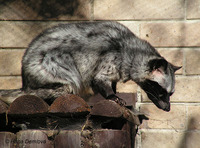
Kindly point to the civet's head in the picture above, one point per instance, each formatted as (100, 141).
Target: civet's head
(159, 85)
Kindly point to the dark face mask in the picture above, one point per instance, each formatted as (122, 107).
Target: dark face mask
(159, 96)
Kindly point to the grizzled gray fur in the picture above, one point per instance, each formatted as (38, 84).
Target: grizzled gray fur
(74, 57)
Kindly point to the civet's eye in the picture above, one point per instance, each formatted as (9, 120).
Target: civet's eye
(171, 93)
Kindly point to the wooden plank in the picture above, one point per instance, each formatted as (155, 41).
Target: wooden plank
(33, 139)
(110, 139)
(131, 130)
(129, 98)
(7, 140)
(68, 139)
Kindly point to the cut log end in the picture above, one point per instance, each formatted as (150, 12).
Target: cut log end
(28, 104)
(69, 104)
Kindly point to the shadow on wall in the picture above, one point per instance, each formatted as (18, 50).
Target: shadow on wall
(18, 34)
(43, 10)
(54, 8)
(190, 137)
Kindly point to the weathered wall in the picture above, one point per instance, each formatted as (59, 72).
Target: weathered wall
(172, 26)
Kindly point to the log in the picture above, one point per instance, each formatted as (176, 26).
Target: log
(129, 98)
(69, 104)
(28, 104)
(107, 108)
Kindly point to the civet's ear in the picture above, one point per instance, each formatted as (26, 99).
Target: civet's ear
(176, 67)
(158, 64)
